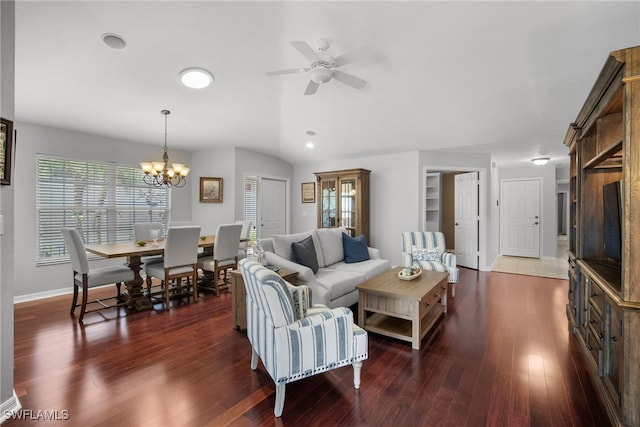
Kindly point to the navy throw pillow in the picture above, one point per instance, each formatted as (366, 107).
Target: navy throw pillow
(304, 252)
(355, 248)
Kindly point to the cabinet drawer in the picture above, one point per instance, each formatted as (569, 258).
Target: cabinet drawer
(594, 346)
(596, 297)
(595, 323)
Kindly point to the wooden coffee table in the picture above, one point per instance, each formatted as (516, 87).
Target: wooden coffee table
(402, 309)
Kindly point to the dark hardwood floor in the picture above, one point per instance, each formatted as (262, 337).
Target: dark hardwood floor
(502, 356)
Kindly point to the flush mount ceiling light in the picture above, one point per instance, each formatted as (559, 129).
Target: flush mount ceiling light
(114, 41)
(540, 161)
(196, 78)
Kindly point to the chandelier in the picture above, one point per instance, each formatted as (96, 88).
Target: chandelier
(159, 174)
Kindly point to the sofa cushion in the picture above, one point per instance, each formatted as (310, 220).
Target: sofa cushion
(369, 268)
(339, 283)
(282, 244)
(304, 252)
(331, 245)
(355, 248)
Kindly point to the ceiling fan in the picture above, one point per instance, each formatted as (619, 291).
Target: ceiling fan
(323, 66)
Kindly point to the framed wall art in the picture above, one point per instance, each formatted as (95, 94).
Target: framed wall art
(6, 144)
(308, 192)
(210, 190)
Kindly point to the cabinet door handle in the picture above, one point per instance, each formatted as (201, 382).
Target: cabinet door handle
(593, 294)
(600, 335)
(614, 338)
(589, 347)
(592, 321)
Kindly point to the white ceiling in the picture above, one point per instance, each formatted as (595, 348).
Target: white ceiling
(500, 77)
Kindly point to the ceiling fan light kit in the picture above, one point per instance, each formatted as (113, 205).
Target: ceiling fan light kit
(323, 66)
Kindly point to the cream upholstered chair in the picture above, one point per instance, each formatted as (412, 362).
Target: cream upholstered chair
(293, 340)
(427, 249)
(180, 261)
(85, 278)
(244, 234)
(225, 257)
(142, 231)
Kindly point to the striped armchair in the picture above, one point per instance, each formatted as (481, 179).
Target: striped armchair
(294, 340)
(427, 250)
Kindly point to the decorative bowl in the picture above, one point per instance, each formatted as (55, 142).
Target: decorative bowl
(409, 273)
(203, 237)
(141, 243)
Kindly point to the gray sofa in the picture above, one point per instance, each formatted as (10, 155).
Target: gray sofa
(334, 284)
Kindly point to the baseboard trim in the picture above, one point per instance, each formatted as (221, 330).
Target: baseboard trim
(9, 407)
(41, 295)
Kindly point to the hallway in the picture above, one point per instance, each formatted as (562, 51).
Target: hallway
(556, 268)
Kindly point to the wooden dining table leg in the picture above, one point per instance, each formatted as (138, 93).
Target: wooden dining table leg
(136, 298)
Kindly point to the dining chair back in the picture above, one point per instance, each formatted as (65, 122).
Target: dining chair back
(142, 230)
(244, 235)
(225, 257)
(84, 277)
(180, 261)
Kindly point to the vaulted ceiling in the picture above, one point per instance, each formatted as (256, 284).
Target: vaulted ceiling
(500, 77)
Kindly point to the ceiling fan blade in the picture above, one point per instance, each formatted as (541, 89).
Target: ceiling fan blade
(305, 50)
(349, 79)
(355, 55)
(312, 87)
(289, 71)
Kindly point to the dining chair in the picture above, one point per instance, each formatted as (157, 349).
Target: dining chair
(142, 231)
(180, 261)
(225, 257)
(85, 277)
(244, 235)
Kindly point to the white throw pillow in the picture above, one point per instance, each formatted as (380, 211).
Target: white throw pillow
(428, 254)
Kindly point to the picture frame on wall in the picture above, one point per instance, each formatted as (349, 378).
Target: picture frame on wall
(210, 190)
(308, 192)
(6, 145)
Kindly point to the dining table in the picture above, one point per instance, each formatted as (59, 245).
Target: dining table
(133, 252)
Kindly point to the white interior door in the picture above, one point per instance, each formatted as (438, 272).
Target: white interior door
(520, 218)
(273, 207)
(467, 219)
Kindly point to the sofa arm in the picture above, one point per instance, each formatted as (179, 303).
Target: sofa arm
(374, 253)
(449, 259)
(304, 273)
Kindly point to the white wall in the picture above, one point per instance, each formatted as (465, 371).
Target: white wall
(218, 163)
(394, 190)
(548, 221)
(34, 139)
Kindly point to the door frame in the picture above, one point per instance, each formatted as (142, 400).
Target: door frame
(287, 198)
(540, 210)
(482, 208)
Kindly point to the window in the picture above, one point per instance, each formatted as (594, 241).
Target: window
(251, 206)
(101, 200)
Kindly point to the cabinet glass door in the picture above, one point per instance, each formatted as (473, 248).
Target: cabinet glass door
(328, 199)
(348, 204)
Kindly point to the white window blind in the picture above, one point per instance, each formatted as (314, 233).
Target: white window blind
(251, 205)
(101, 200)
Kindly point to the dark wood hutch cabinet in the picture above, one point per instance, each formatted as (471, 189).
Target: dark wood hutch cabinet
(343, 200)
(604, 293)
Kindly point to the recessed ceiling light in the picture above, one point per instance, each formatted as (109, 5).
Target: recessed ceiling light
(196, 78)
(310, 144)
(114, 41)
